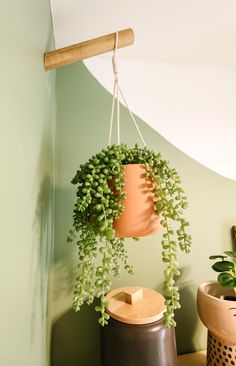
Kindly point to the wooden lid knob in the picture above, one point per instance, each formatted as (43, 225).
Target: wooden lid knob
(133, 295)
(135, 305)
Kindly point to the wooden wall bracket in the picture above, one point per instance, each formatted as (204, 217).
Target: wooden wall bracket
(83, 50)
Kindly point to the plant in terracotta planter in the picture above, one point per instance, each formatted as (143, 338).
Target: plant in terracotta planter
(217, 310)
(219, 317)
(100, 202)
(227, 271)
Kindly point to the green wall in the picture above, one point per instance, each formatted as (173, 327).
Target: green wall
(26, 195)
(82, 130)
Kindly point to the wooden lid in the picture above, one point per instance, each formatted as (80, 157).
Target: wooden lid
(135, 305)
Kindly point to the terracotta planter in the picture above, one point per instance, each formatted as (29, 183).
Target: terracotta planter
(139, 217)
(219, 316)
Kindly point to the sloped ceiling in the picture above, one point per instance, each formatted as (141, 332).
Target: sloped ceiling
(179, 76)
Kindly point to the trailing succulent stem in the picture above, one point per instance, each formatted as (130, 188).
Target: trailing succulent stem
(101, 255)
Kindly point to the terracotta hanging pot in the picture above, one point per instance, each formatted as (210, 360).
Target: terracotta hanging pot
(139, 217)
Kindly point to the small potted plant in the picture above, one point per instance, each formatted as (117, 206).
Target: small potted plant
(227, 269)
(217, 309)
(100, 203)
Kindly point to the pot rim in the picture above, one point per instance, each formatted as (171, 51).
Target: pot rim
(140, 164)
(216, 298)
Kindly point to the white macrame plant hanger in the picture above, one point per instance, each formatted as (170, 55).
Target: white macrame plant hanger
(116, 92)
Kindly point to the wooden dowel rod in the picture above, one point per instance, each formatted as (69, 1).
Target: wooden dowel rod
(83, 50)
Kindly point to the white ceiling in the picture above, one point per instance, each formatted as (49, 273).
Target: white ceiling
(179, 76)
(183, 31)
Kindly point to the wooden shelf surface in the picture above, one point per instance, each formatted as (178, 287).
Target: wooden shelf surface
(193, 359)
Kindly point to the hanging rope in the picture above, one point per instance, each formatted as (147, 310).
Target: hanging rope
(115, 95)
(132, 117)
(116, 91)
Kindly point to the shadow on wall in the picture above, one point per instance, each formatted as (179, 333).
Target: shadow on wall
(42, 256)
(76, 339)
(42, 227)
(186, 317)
(65, 254)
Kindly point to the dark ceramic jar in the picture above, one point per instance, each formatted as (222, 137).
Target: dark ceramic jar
(135, 334)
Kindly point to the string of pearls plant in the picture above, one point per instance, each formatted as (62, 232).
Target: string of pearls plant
(98, 204)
